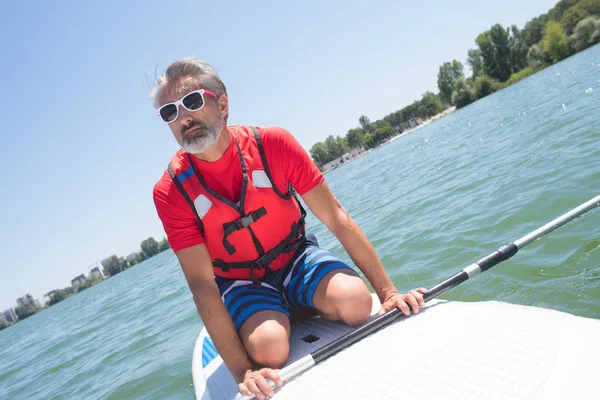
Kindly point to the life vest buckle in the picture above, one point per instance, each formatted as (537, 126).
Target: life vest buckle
(264, 261)
(246, 221)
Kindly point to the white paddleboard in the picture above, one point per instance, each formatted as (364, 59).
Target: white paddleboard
(451, 350)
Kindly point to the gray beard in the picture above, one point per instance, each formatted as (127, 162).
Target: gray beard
(203, 139)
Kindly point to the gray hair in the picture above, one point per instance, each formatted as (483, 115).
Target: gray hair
(189, 66)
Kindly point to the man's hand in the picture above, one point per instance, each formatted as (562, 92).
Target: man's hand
(413, 298)
(255, 383)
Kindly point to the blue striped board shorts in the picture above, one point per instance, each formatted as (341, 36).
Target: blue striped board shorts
(292, 286)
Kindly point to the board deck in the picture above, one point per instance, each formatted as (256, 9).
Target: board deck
(452, 350)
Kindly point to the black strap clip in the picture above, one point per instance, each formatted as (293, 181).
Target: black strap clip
(264, 261)
(239, 224)
(245, 222)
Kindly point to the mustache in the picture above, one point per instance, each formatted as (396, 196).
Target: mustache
(193, 124)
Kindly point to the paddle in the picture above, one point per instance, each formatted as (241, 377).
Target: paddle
(503, 253)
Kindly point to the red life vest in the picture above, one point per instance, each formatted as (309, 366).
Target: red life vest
(245, 240)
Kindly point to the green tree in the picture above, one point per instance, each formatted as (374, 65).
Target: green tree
(586, 34)
(556, 13)
(381, 134)
(430, 105)
(150, 247)
(368, 140)
(113, 265)
(495, 51)
(475, 62)
(535, 56)
(25, 311)
(592, 7)
(555, 41)
(335, 147)
(411, 111)
(58, 297)
(448, 73)
(3, 323)
(318, 152)
(364, 122)
(163, 245)
(572, 17)
(533, 31)
(89, 283)
(462, 93)
(343, 144)
(380, 123)
(138, 258)
(522, 74)
(356, 138)
(518, 50)
(395, 118)
(484, 85)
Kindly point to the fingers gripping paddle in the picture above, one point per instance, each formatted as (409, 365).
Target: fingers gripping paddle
(503, 253)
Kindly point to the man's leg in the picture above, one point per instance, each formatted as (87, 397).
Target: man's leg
(320, 280)
(343, 296)
(261, 318)
(266, 338)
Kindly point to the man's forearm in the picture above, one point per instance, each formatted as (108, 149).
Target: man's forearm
(222, 332)
(363, 254)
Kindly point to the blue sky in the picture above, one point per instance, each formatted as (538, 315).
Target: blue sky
(82, 147)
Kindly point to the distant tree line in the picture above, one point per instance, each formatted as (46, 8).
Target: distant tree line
(148, 248)
(370, 134)
(504, 56)
(23, 311)
(111, 266)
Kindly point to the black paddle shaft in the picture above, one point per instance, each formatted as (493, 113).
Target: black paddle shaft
(494, 258)
(503, 253)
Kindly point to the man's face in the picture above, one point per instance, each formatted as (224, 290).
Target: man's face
(196, 131)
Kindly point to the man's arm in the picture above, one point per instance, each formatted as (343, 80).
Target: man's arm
(328, 210)
(197, 268)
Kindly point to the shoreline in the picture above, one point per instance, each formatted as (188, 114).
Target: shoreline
(447, 111)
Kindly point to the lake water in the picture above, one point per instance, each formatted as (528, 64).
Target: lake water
(431, 202)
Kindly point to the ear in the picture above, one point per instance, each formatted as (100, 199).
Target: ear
(223, 104)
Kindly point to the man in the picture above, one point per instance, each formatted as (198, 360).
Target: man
(228, 205)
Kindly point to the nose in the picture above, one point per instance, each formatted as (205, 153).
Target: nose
(184, 116)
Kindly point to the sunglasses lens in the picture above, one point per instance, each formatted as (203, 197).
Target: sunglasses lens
(193, 101)
(168, 113)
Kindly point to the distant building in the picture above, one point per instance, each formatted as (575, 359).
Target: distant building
(78, 280)
(10, 315)
(414, 122)
(96, 272)
(52, 292)
(27, 299)
(410, 124)
(340, 160)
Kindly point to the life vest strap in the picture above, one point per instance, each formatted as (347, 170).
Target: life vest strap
(239, 224)
(292, 242)
(186, 196)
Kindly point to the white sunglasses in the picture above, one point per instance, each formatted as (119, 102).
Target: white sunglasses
(193, 101)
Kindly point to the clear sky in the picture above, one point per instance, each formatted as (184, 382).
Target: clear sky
(82, 147)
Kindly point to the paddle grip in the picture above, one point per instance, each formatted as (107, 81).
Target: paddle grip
(502, 254)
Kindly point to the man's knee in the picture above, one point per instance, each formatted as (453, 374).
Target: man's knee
(356, 303)
(267, 342)
(346, 298)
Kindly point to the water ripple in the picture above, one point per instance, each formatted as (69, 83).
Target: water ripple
(431, 203)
